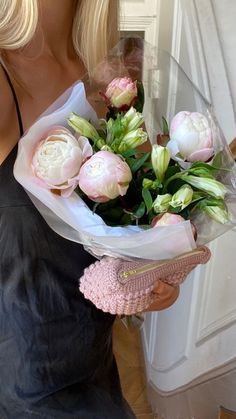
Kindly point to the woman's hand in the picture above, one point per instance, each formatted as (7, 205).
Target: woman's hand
(128, 287)
(232, 147)
(166, 295)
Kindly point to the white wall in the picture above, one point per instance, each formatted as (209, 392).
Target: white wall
(198, 333)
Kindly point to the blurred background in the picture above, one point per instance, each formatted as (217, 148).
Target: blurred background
(181, 364)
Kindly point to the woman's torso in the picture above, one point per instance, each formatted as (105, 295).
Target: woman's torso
(55, 346)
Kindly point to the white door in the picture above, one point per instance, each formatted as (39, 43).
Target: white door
(198, 333)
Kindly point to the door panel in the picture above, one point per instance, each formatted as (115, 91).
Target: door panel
(198, 333)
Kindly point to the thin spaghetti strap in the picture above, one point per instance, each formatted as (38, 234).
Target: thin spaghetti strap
(19, 117)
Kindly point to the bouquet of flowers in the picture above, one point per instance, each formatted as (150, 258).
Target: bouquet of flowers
(99, 181)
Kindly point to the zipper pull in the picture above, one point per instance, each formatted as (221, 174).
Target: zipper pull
(126, 274)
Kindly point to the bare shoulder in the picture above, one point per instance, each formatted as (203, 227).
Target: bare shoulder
(8, 121)
(6, 102)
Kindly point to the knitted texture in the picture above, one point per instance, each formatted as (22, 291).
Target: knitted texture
(126, 287)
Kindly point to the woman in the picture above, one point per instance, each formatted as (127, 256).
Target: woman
(56, 357)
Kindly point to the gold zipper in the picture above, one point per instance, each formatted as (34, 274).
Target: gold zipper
(142, 270)
(149, 266)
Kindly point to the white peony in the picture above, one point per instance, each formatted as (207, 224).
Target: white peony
(57, 160)
(190, 137)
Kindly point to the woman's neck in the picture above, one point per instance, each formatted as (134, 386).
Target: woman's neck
(53, 34)
(48, 65)
(55, 27)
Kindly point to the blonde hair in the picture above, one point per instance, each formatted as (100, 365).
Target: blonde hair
(95, 27)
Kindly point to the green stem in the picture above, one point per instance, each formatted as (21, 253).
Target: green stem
(99, 142)
(176, 176)
(195, 207)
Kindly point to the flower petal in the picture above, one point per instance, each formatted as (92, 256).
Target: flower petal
(86, 147)
(65, 193)
(201, 155)
(172, 145)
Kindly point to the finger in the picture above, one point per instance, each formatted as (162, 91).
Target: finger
(164, 300)
(162, 288)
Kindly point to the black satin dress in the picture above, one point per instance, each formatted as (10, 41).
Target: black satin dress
(56, 358)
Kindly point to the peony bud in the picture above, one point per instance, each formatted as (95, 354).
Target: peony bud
(210, 186)
(167, 219)
(147, 183)
(58, 158)
(132, 140)
(217, 213)
(104, 176)
(83, 127)
(133, 119)
(190, 137)
(171, 219)
(182, 198)
(160, 160)
(162, 203)
(121, 93)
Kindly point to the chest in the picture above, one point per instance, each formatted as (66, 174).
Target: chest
(42, 89)
(39, 86)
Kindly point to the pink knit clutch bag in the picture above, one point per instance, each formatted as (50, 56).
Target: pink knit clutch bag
(126, 287)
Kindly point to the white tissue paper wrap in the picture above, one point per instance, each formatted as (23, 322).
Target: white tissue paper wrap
(71, 218)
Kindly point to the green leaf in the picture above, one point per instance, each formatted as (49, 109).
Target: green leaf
(115, 213)
(147, 199)
(221, 162)
(197, 196)
(174, 210)
(140, 211)
(156, 184)
(171, 171)
(129, 153)
(147, 165)
(200, 205)
(204, 166)
(174, 186)
(95, 206)
(165, 127)
(116, 129)
(126, 219)
(208, 201)
(218, 160)
(139, 162)
(202, 172)
(130, 161)
(216, 202)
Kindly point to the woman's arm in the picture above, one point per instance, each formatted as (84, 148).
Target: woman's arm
(9, 132)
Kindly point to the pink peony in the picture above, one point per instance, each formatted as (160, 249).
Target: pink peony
(121, 93)
(190, 137)
(104, 176)
(168, 219)
(57, 160)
